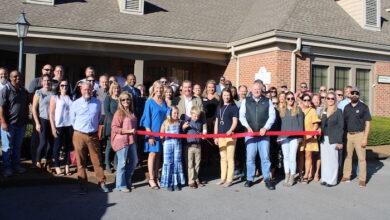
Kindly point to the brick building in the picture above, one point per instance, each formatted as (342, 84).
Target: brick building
(322, 42)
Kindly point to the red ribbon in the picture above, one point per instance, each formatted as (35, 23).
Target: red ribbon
(234, 135)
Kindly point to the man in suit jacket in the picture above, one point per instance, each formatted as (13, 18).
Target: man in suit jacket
(221, 85)
(185, 102)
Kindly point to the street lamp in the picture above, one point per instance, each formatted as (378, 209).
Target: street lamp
(21, 30)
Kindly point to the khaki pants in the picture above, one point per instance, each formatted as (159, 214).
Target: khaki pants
(354, 143)
(227, 147)
(192, 155)
(84, 143)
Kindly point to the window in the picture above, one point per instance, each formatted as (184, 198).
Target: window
(363, 83)
(43, 2)
(319, 77)
(341, 77)
(132, 6)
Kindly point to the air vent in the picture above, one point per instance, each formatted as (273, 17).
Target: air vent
(42, 2)
(372, 14)
(132, 6)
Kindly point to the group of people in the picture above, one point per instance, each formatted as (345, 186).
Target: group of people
(105, 114)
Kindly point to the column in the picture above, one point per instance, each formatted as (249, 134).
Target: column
(30, 68)
(139, 71)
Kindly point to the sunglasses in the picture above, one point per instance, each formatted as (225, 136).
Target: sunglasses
(163, 82)
(290, 99)
(63, 85)
(328, 98)
(322, 90)
(323, 97)
(122, 100)
(275, 103)
(273, 91)
(355, 93)
(340, 95)
(48, 69)
(91, 80)
(306, 100)
(303, 87)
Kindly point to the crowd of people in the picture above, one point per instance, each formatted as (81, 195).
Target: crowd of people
(99, 118)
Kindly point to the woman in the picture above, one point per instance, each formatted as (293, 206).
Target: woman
(123, 139)
(310, 142)
(197, 90)
(61, 126)
(226, 123)
(291, 120)
(110, 107)
(153, 116)
(273, 92)
(332, 127)
(317, 104)
(111, 80)
(168, 95)
(233, 90)
(40, 110)
(282, 97)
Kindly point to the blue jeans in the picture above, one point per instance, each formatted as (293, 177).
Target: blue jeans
(12, 142)
(253, 146)
(127, 160)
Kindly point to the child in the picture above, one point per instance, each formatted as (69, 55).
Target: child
(172, 172)
(193, 149)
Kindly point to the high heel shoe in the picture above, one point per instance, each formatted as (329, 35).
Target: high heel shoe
(154, 185)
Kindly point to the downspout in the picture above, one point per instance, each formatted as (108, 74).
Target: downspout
(294, 64)
(234, 56)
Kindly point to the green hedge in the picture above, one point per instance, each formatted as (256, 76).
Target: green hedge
(380, 131)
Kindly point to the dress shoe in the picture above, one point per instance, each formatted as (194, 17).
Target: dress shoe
(200, 184)
(248, 183)
(177, 188)
(362, 183)
(269, 185)
(104, 188)
(323, 183)
(345, 180)
(329, 185)
(192, 186)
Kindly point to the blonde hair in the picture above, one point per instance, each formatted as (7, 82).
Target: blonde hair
(204, 94)
(283, 107)
(169, 119)
(112, 86)
(195, 110)
(166, 88)
(151, 89)
(121, 109)
(328, 109)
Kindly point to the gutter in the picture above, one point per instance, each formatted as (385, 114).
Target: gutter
(294, 64)
(234, 56)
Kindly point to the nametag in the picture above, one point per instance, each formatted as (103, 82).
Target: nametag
(357, 111)
(204, 99)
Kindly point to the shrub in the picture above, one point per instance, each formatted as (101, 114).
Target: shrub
(380, 131)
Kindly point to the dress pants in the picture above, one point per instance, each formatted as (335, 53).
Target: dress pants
(354, 143)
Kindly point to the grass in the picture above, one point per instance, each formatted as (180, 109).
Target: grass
(380, 131)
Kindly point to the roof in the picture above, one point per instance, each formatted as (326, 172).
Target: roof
(221, 21)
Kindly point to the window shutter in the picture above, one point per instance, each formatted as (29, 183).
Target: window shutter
(372, 13)
(42, 2)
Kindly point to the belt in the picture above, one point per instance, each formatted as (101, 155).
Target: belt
(89, 134)
(354, 132)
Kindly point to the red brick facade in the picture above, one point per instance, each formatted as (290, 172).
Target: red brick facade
(381, 91)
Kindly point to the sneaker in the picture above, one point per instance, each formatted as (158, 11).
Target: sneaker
(227, 184)
(7, 173)
(345, 180)
(177, 188)
(125, 190)
(20, 169)
(248, 184)
(362, 183)
(104, 188)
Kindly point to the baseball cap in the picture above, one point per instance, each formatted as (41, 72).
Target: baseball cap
(355, 89)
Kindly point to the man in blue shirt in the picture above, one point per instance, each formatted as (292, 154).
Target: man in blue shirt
(85, 113)
(347, 94)
(138, 104)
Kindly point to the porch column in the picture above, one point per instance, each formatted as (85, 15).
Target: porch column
(30, 68)
(139, 71)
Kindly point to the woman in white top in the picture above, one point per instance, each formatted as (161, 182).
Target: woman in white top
(61, 125)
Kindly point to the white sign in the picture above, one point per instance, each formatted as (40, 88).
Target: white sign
(384, 79)
(263, 75)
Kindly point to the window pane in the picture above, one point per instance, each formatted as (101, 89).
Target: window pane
(341, 77)
(319, 77)
(362, 82)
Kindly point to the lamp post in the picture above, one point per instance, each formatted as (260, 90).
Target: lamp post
(22, 26)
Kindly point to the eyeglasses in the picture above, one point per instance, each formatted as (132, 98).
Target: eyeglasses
(163, 82)
(329, 98)
(322, 90)
(63, 85)
(306, 100)
(303, 87)
(275, 103)
(355, 93)
(290, 99)
(122, 100)
(323, 97)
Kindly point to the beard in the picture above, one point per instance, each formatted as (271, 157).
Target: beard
(354, 99)
(3, 81)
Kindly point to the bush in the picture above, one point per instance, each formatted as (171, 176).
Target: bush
(380, 131)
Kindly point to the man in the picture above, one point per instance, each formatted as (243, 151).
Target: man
(283, 88)
(322, 89)
(257, 114)
(89, 72)
(101, 93)
(14, 117)
(131, 80)
(357, 119)
(339, 95)
(347, 99)
(221, 85)
(85, 113)
(304, 89)
(242, 94)
(228, 84)
(3, 77)
(58, 76)
(36, 83)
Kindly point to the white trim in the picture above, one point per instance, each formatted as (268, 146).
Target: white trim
(40, 2)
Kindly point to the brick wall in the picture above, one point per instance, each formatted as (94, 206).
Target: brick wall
(381, 91)
(276, 62)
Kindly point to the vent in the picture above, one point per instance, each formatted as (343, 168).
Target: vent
(41, 2)
(372, 12)
(132, 6)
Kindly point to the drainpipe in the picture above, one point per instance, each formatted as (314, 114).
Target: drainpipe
(294, 64)
(234, 56)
